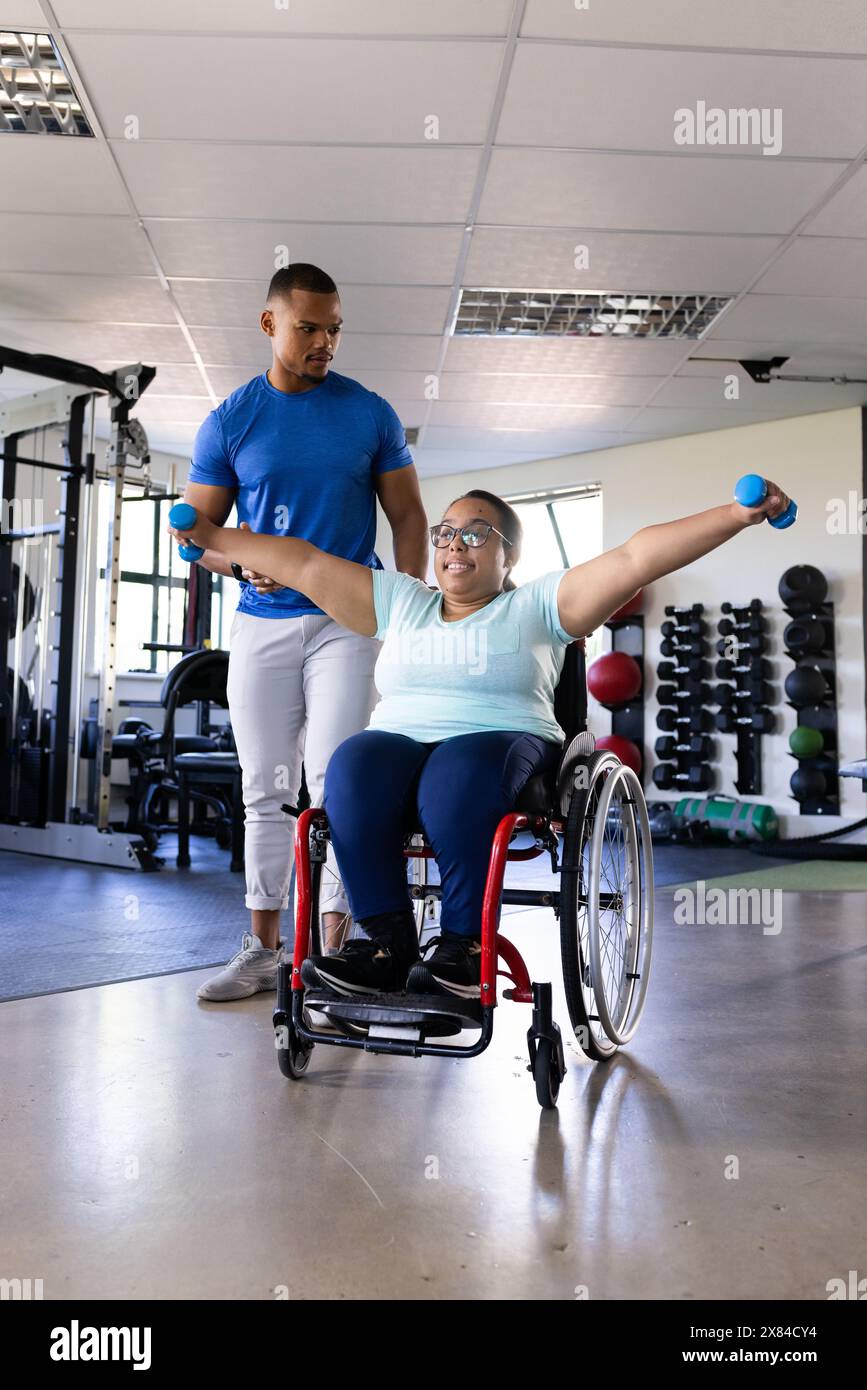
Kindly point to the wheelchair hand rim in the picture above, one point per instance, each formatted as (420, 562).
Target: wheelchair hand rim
(623, 1028)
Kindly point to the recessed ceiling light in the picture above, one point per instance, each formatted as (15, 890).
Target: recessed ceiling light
(36, 92)
(569, 314)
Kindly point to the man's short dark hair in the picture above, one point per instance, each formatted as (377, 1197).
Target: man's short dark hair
(301, 276)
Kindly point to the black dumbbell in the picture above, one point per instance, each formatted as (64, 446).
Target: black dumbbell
(697, 694)
(699, 746)
(691, 627)
(695, 610)
(757, 669)
(755, 605)
(696, 666)
(697, 721)
(761, 721)
(754, 642)
(698, 778)
(755, 623)
(694, 647)
(756, 693)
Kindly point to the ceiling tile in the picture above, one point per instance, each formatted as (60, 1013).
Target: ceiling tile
(372, 308)
(172, 379)
(592, 357)
(819, 265)
(678, 193)
(524, 417)
(248, 347)
(108, 298)
(184, 409)
(541, 389)
(178, 179)
(350, 90)
(361, 255)
(775, 24)
(339, 17)
(72, 245)
(566, 95)
(59, 176)
(432, 463)
(544, 443)
(24, 16)
(796, 320)
(845, 213)
(540, 259)
(96, 343)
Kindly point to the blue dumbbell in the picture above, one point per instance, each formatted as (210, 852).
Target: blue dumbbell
(183, 517)
(752, 490)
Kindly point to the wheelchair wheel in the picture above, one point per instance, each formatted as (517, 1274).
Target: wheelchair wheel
(620, 909)
(590, 776)
(546, 1075)
(294, 1058)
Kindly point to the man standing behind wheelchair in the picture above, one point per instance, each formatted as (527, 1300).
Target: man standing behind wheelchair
(454, 738)
(302, 450)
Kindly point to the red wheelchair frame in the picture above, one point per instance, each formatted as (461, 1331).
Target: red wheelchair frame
(566, 812)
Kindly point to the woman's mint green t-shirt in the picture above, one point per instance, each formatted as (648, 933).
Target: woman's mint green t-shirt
(496, 669)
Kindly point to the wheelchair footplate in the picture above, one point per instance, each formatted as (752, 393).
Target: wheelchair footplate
(412, 1017)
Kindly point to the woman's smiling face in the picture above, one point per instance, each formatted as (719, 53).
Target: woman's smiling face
(467, 574)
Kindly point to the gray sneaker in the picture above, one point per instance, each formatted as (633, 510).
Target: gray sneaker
(254, 968)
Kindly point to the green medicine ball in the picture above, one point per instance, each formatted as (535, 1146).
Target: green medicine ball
(806, 742)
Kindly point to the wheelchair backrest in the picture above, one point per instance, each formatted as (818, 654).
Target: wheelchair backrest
(570, 694)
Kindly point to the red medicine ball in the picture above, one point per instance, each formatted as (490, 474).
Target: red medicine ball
(614, 678)
(627, 751)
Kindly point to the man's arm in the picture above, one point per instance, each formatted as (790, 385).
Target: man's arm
(399, 496)
(215, 503)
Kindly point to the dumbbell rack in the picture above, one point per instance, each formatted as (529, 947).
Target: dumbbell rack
(744, 701)
(627, 721)
(823, 716)
(686, 764)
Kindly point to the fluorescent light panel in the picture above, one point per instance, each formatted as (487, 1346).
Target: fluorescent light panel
(494, 313)
(36, 92)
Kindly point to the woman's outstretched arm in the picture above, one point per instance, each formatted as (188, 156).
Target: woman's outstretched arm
(591, 592)
(339, 587)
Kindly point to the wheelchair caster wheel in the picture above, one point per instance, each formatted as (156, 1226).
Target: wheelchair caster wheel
(293, 1054)
(546, 1074)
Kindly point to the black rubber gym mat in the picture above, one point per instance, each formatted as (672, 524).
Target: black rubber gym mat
(67, 926)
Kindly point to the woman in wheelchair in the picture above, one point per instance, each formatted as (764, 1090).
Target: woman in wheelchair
(466, 676)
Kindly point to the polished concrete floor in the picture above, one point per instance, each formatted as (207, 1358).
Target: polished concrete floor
(149, 1147)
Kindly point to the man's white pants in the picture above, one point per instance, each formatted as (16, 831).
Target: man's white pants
(297, 688)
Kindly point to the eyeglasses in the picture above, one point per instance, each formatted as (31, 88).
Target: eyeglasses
(472, 535)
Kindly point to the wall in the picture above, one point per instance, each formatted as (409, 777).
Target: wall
(815, 458)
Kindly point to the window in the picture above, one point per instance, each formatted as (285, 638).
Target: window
(152, 591)
(562, 527)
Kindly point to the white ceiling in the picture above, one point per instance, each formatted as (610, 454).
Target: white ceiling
(304, 126)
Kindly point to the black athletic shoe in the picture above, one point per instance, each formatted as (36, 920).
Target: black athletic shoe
(360, 967)
(454, 968)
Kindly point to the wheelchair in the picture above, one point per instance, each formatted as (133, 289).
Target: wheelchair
(590, 818)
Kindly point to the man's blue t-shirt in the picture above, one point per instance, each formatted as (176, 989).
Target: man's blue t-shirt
(302, 465)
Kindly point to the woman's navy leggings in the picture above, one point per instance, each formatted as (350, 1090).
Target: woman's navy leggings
(379, 786)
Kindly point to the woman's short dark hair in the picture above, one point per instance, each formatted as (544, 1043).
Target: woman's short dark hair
(509, 524)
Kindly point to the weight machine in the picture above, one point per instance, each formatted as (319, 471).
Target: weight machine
(41, 737)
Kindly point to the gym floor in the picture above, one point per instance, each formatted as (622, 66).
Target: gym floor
(152, 1150)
